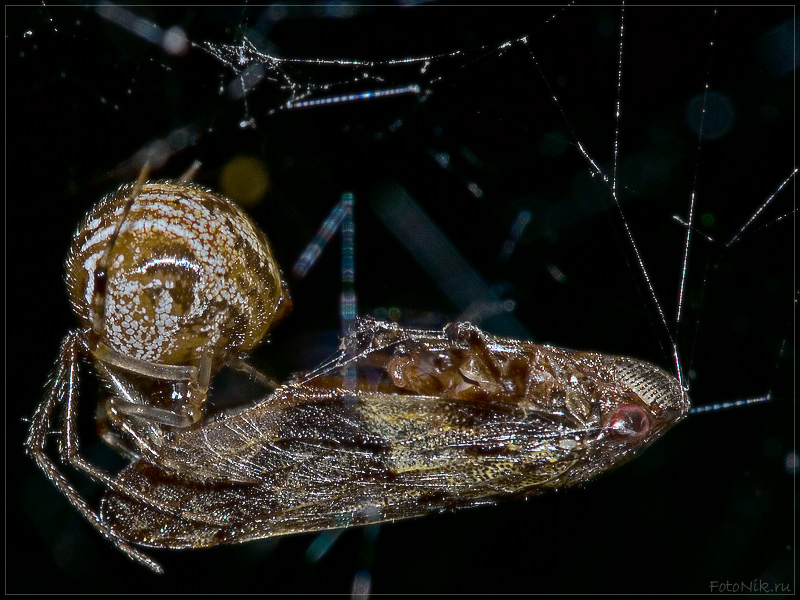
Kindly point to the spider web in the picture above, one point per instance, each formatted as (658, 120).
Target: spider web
(475, 118)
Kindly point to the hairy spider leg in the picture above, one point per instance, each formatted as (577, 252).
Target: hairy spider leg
(63, 392)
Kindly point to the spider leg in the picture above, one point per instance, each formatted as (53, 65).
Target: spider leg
(241, 364)
(63, 393)
(63, 390)
(69, 448)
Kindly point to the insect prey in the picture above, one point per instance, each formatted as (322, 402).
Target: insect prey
(439, 420)
(170, 282)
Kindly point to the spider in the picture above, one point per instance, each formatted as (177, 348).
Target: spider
(169, 282)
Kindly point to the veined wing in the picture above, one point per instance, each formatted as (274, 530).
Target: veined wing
(309, 459)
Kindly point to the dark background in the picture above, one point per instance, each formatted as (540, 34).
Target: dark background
(712, 501)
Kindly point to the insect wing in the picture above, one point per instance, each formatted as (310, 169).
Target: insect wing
(310, 460)
(507, 418)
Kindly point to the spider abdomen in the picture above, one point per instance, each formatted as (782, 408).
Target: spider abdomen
(188, 272)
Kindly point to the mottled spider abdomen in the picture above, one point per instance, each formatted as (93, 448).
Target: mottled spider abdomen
(188, 273)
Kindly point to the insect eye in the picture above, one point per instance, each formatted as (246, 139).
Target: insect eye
(629, 421)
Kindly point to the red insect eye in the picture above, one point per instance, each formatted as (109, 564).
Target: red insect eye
(629, 421)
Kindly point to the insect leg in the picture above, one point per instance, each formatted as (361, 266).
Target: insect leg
(467, 333)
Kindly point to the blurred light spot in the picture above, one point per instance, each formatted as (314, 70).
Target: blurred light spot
(181, 137)
(340, 11)
(556, 273)
(443, 158)
(710, 115)
(475, 190)
(777, 49)
(480, 311)
(362, 585)
(174, 41)
(158, 152)
(371, 533)
(340, 216)
(707, 219)
(276, 12)
(792, 463)
(471, 157)
(321, 544)
(248, 79)
(122, 17)
(517, 229)
(245, 180)
(769, 113)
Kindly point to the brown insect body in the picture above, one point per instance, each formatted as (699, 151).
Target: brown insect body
(512, 418)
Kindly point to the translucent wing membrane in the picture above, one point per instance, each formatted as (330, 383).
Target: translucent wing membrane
(439, 420)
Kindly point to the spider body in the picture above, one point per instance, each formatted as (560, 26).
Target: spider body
(180, 278)
(169, 282)
(188, 274)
